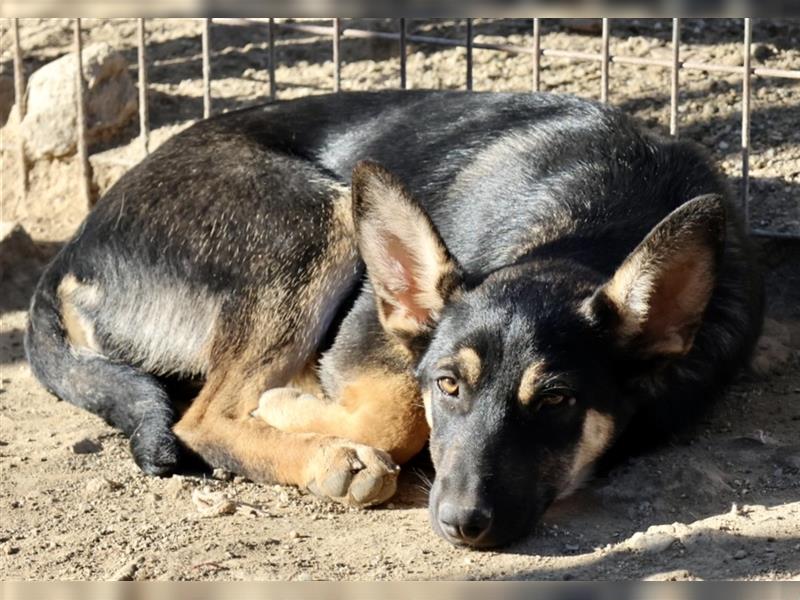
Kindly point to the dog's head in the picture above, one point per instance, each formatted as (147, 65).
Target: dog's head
(523, 373)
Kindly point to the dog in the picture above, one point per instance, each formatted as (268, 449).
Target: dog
(527, 282)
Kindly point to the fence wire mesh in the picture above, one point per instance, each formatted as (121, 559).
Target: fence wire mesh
(339, 30)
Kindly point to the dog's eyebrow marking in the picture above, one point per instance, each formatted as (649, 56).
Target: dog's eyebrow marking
(530, 377)
(467, 362)
(598, 428)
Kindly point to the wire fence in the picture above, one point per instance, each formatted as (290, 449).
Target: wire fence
(337, 31)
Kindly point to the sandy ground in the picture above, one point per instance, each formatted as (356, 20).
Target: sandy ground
(721, 502)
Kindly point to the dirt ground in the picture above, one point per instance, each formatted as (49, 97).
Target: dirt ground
(721, 502)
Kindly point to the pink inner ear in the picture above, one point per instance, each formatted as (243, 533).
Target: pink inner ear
(678, 301)
(405, 291)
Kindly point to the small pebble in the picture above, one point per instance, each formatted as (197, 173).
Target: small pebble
(101, 484)
(12, 550)
(86, 446)
(740, 554)
(126, 573)
(222, 475)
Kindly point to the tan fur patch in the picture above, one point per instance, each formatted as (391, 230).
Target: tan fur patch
(469, 364)
(527, 385)
(79, 329)
(380, 409)
(426, 402)
(598, 429)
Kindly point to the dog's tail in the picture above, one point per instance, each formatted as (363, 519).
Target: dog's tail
(124, 396)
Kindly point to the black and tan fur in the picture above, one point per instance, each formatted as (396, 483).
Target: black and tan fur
(531, 276)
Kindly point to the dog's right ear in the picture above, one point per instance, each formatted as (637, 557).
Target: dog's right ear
(411, 270)
(656, 299)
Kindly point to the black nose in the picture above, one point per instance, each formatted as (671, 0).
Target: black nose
(464, 523)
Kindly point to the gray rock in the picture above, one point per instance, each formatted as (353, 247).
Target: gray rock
(86, 446)
(20, 264)
(762, 52)
(50, 125)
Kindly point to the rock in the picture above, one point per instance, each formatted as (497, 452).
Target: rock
(15, 246)
(212, 504)
(657, 538)
(771, 356)
(21, 262)
(86, 446)
(740, 554)
(126, 572)
(100, 485)
(176, 486)
(677, 575)
(222, 475)
(762, 52)
(6, 97)
(12, 550)
(50, 125)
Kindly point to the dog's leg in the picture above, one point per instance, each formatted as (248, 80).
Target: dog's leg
(367, 395)
(378, 408)
(63, 355)
(218, 426)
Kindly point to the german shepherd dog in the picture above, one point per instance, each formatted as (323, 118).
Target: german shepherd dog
(531, 276)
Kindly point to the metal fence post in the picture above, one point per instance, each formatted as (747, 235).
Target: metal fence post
(337, 65)
(144, 113)
(272, 91)
(21, 100)
(537, 54)
(674, 80)
(748, 35)
(604, 64)
(80, 101)
(206, 68)
(469, 54)
(403, 57)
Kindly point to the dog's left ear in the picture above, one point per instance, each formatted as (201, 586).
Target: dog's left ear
(411, 270)
(656, 299)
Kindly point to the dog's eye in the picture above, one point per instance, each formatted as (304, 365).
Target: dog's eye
(556, 398)
(448, 385)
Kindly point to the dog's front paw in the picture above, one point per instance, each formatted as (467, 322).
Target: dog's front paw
(155, 449)
(353, 474)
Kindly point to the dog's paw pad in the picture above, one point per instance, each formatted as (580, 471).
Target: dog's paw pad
(354, 475)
